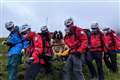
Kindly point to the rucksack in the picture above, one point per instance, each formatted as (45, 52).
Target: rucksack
(88, 32)
(115, 40)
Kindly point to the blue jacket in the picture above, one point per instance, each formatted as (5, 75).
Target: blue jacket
(16, 43)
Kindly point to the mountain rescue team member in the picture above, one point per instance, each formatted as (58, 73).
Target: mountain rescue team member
(15, 43)
(34, 62)
(76, 40)
(96, 52)
(112, 42)
(47, 49)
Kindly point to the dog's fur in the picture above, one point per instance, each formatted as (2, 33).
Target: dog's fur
(57, 41)
(57, 35)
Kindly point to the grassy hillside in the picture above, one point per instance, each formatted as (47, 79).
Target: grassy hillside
(57, 68)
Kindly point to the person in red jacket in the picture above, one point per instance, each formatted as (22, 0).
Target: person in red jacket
(96, 49)
(47, 48)
(76, 39)
(36, 44)
(112, 41)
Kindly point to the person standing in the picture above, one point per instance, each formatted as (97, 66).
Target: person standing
(34, 49)
(112, 42)
(15, 43)
(76, 39)
(96, 49)
(47, 49)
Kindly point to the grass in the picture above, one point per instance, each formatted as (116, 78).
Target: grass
(57, 68)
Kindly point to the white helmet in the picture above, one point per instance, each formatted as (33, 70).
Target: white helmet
(9, 24)
(106, 30)
(68, 22)
(94, 25)
(24, 28)
(44, 28)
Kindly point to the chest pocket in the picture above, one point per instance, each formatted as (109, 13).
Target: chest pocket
(72, 41)
(95, 41)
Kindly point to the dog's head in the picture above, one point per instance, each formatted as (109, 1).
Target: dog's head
(57, 35)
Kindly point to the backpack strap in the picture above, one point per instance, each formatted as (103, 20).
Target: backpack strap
(112, 38)
(88, 32)
(101, 39)
(75, 34)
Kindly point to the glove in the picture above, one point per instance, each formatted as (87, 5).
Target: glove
(48, 57)
(23, 51)
(30, 60)
(77, 54)
(72, 51)
(106, 55)
(4, 42)
(89, 46)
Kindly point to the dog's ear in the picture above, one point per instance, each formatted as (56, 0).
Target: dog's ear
(61, 35)
(55, 32)
(54, 35)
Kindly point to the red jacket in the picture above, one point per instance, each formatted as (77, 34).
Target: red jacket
(112, 41)
(77, 41)
(47, 48)
(97, 42)
(36, 47)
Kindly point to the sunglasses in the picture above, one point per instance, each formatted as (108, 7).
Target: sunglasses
(10, 28)
(94, 28)
(25, 32)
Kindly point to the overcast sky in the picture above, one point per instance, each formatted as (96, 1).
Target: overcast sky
(53, 13)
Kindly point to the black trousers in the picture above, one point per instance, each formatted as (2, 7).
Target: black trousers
(97, 56)
(32, 70)
(110, 60)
